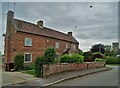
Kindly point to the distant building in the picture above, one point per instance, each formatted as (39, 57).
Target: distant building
(115, 47)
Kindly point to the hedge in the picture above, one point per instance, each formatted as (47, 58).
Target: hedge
(97, 55)
(100, 60)
(88, 56)
(75, 58)
(112, 60)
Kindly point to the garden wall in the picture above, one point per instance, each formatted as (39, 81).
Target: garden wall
(58, 68)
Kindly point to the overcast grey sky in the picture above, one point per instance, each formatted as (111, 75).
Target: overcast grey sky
(94, 25)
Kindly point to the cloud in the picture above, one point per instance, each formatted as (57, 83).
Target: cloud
(99, 22)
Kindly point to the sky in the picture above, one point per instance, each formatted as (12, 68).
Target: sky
(90, 26)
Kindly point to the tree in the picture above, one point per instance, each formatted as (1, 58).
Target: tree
(98, 48)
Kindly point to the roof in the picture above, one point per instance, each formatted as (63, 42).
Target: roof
(23, 26)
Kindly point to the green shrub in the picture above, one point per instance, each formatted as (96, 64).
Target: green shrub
(19, 62)
(88, 56)
(110, 53)
(49, 54)
(97, 55)
(100, 60)
(65, 58)
(80, 52)
(75, 58)
(38, 66)
(28, 67)
(112, 60)
(57, 60)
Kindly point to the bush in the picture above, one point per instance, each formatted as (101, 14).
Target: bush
(38, 66)
(110, 53)
(65, 58)
(19, 62)
(88, 56)
(57, 60)
(100, 60)
(97, 55)
(28, 67)
(112, 60)
(49, 54)
(75, 58)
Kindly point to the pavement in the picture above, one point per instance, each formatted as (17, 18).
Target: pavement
(10, 78)
(54, 79)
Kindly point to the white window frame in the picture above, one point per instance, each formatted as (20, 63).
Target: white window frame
(57, 45)
(30, 58)
(66, 45)
(26, 43)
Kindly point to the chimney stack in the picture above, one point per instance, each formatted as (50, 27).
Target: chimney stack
(10, 15)
(40, 23)
(70, 33)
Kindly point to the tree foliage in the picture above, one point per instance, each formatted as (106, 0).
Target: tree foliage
(98, 48)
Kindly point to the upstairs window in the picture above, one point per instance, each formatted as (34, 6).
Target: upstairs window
(66, 45)
(57, 45)
(27, 57)
(28, 42)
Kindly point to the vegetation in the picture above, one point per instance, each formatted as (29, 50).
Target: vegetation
(50, 55)
(97, 55)
(100, 60)
(56, 60)
(28, 67)
(98, 48)
(31, 72)
(19, 62)
(38, 66)
(110, 53)
(75, 58)
(112, 60)
(88, 56)
(81, 52)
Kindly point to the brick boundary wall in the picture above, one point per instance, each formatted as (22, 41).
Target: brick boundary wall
(63, 67)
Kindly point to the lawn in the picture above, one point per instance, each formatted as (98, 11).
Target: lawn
(31, 72)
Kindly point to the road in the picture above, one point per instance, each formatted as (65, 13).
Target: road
(106, 78)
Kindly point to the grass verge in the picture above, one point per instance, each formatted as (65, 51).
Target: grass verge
(31, 72)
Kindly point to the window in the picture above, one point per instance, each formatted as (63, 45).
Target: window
(27, 57)
(57, 45)
(66, 45)
(28, 42)
(74, 46)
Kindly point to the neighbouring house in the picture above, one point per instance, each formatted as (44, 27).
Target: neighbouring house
(32, 39)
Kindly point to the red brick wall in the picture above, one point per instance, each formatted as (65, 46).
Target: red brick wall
(39, 44)
(58, 68)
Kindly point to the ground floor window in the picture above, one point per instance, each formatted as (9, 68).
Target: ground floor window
(27, 57)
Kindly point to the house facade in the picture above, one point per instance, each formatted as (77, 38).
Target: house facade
(31, 40)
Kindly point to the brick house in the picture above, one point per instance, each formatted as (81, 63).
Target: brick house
(32, 39)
